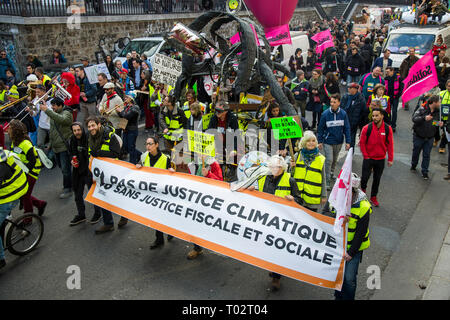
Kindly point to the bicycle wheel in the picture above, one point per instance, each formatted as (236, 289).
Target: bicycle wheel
(24, 234)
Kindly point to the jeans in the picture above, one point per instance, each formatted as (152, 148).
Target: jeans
(424, 145)
(129, 145)
(78, 188)
(444, 141)
(331, 156)
(350, 276)
(394, 107)
(377, 166)
(63, 161)
(42, 135)
(5, 210)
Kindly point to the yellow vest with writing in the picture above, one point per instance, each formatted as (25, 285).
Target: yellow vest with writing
(16, 186)
(24, 147)
(161, 163)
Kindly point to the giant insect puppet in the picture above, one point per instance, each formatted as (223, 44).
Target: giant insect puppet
(252, 63)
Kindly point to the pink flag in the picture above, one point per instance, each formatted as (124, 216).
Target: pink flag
(421, 78)
(237, 38)
(278, 35)
(324, 40)
(341, 195)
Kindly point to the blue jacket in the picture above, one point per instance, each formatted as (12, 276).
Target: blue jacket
(89, 89)
(379, 63)
(5, 63)
(333, 126)
(355, 108)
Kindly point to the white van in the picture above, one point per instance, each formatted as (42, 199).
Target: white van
(147, 45)
(299, 40)
(421, 38)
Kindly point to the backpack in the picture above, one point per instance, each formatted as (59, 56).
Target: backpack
(369, 131)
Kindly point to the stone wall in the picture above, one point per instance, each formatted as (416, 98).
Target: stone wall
(40, 36)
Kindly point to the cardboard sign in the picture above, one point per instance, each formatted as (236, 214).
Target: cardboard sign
(93, 71)
(165, 69)
(285, 128)
(201, 143)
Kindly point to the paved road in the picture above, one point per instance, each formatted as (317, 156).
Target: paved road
(119, 265)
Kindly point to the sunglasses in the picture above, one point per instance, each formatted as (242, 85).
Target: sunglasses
(149, 143)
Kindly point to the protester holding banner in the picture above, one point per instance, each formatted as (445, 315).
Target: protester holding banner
(274, 111)
(426, 121)
(81, 176)
(357, 239)
(154, 158)
(308, 171)
(102, 142)
(281, 184)
(376, 140)
(406, 65)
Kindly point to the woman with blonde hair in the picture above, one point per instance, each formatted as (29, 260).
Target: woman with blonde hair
(309, 172)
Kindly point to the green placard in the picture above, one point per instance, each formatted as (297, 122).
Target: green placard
(285, 128)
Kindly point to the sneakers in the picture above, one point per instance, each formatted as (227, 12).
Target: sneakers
(66, 194)
(447, 177)
(435, 143)
(425, 176)
(2, 263)
(412, 169)
(441, 150)
(104, 229)
(193, 254)
(95, 218)
(122, 222)
(77, 220)
(156, 244)
(374, 201)
(41, 210)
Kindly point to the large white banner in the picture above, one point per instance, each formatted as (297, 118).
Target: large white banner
(93, 71)
(165, 69)
(255, 227)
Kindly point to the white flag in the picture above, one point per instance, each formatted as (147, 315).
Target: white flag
(341, 195)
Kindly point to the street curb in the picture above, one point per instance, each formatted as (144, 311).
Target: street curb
(438, 287)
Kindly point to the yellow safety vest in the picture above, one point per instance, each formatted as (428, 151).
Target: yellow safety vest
(46, 78)
(151, 90)
(384, 100)
(445, 95)
(174, 127)
(2, 95)
(187, 111)
(309, 179)
(161, 163)
(357, 212)
(16, 186)
(24, 147)
(283, 189)
(105, 144)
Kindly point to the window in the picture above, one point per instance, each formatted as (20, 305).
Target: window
(400, 43)
(149, 47)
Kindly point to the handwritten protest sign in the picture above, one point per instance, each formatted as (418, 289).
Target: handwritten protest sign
(165, 69)
(285, 128)
(93, 71)
(254, 227)
(201, 143)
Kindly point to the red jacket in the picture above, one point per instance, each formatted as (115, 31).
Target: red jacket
(72, 88)
(376, 147)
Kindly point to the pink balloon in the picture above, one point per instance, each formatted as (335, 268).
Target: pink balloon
(272, 13)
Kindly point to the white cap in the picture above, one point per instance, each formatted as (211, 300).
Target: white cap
(32, 77)
(108, 85)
